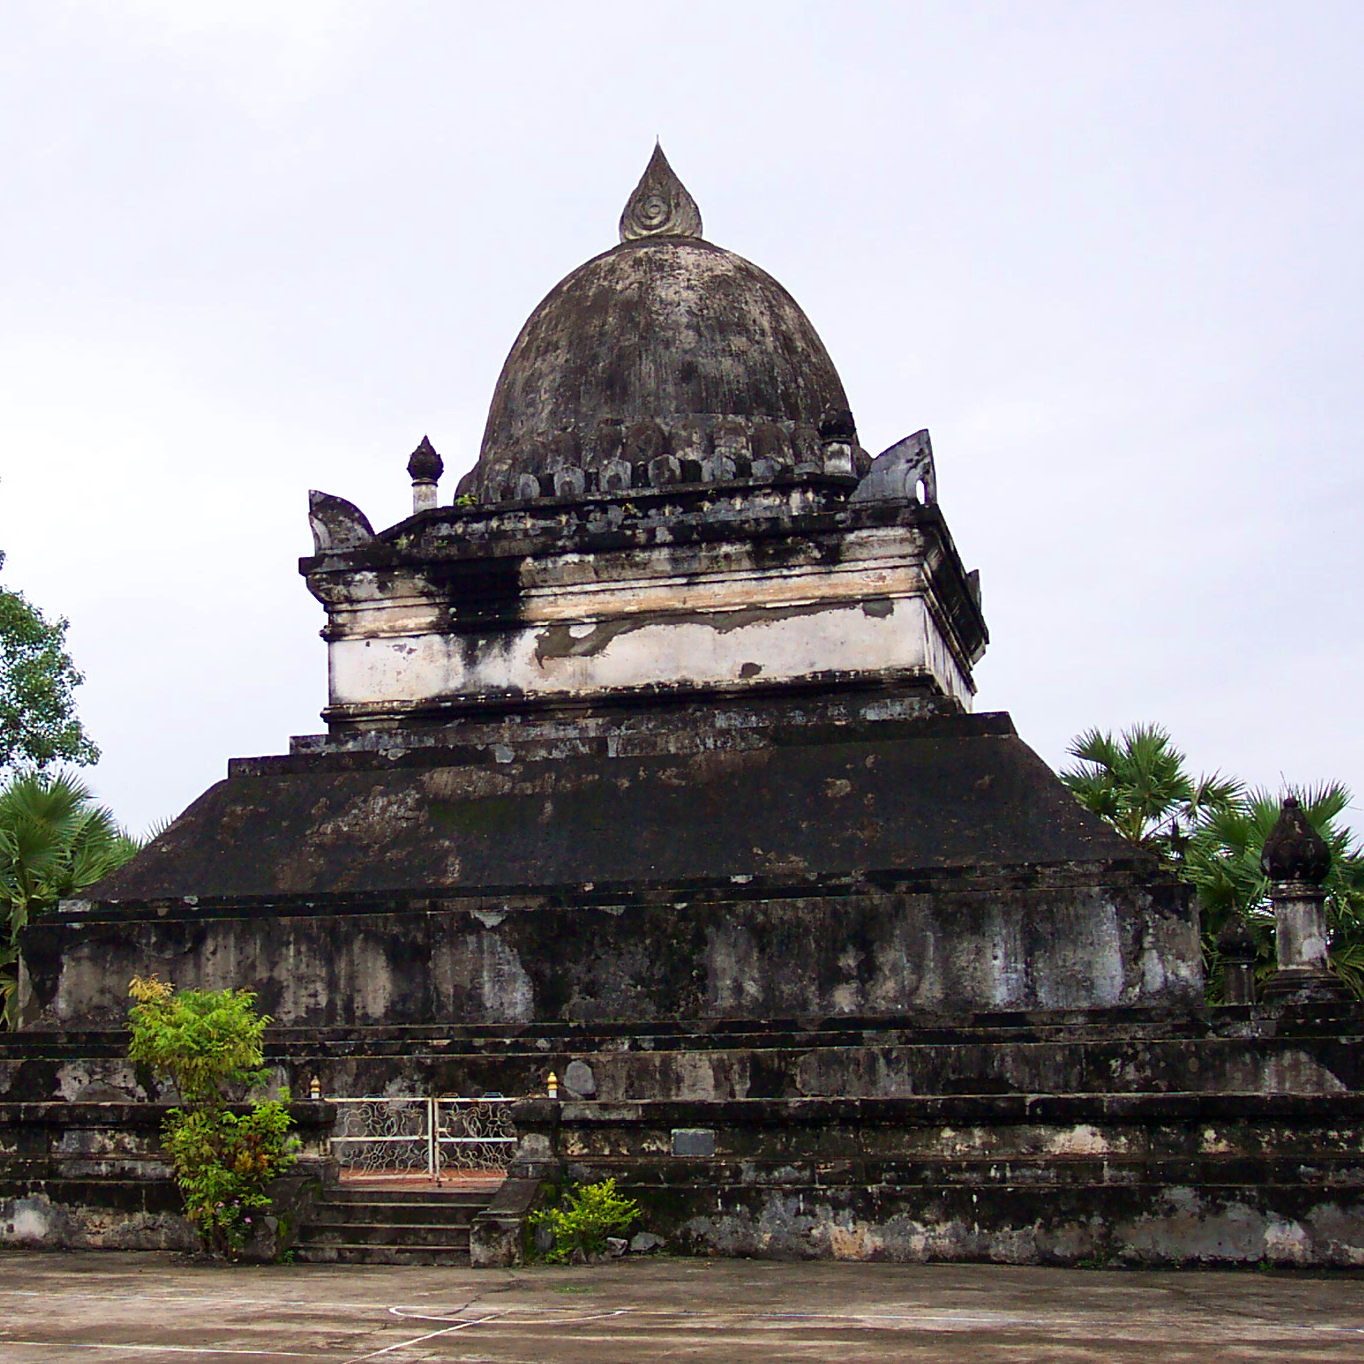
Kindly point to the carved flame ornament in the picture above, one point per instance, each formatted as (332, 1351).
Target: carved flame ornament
(660, 205)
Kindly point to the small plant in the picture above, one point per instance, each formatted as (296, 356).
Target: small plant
(585, 1217)
(208, 1042)
(466, 500)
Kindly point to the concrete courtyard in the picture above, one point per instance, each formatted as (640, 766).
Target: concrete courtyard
(157, 1308)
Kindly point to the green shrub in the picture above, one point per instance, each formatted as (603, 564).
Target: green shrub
(223, 1163)
(209, 1043)
(585, 1217)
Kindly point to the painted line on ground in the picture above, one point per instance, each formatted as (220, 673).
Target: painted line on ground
(121, 1291)
(151, 1350)
(405, 1315)
(419, 1340)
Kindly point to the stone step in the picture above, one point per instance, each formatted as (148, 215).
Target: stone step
(390, 1226)
(1147, 1066)
(1312, 1050)
(1154, 1065)
(349, 1213)
(408, 1235)
(449, 1196)
(535, 1066)
(382, 1255)
(1274, 1065)
(116, 1197)
(1323, 1021)
(544, 1038)
(846, 1133)
(1001, 1170)
(63, 1165)
(757, 723)
(554, 1039)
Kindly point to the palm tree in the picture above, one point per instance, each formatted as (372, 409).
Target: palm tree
(1222, 861)
(1139, 785)
(1210, 831)
(54, 842)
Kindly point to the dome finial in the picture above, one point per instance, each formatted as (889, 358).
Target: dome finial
(660, 205)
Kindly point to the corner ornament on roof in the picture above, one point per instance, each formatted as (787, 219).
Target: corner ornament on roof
(660, 205)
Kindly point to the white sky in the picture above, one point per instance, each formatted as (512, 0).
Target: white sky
(1109, 253)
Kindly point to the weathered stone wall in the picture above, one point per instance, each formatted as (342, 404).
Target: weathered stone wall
(745, 589)
(1128, 1179)
(92, 1176)
(952, 945)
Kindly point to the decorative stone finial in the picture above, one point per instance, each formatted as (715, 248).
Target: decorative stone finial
(1236, 942)
(425, 465)
(1296, 860)
(1294, 850)
(425, 468)
(660, 205)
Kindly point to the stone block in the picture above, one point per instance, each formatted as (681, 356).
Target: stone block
(693, 1141)
(579, 1080)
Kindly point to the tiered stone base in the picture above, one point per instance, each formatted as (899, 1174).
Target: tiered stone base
(1222, 1138)
(1228, 1136)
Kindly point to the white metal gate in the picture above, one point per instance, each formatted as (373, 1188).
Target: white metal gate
(414, 1135)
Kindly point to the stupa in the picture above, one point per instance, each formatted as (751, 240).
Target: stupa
(650, 761)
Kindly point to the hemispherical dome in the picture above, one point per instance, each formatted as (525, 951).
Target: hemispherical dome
(663, 347)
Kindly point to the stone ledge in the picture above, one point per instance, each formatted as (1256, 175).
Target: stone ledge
(925, 1110)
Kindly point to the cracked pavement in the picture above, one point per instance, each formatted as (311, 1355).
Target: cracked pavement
(159, 1308)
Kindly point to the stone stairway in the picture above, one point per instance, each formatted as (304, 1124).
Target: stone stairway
(368, 1226)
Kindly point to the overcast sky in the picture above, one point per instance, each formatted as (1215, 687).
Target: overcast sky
(1108, 253)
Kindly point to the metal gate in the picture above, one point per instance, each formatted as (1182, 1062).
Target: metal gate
(414, 1135)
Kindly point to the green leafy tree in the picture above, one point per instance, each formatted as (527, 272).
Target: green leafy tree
(55, 840)
(38, 723)
(208, 1043)
(1210, 831)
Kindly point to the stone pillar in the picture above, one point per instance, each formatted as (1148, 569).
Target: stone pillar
(1297, 860)
(1237, 947)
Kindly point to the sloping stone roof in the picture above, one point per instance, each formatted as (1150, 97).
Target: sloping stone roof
(936, 794)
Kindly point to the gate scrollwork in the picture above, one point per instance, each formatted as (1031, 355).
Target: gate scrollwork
(412, 1135)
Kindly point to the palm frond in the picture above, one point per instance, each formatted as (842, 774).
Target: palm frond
(1139, 785)
(55, 840)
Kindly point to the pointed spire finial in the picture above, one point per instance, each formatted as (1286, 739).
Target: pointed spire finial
(1294, 850)
(424, 468)
(424, 464)
(660, 205)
